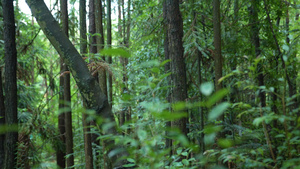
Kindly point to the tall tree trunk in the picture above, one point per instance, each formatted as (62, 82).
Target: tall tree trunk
(293, 73)
(175, 46)
(167, 69)
(93, 50)
(11, 115)
(121, 31)
(2, 123)
(67, 91)
(109, 59)
(61, 151)
(256, 43)
(100, 42)
(89, 88)
(200, 118)
(83, 50)
(127, 44)
(217, 45)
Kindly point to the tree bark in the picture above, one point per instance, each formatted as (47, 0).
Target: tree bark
(167, 69)
(256, 43)
(217, 45)
(109, 59)
(83, 50)
(11, 115)
(89, 88)
(2, 123)
(67, 91)
(175, 47)
(100, 42)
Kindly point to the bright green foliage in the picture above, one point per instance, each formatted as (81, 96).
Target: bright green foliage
(251, 131)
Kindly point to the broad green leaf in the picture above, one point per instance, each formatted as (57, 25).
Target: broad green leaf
(165, 62)
(185, 162)
(115, 52)
(184, 153)
(216, 97)
(207, 88)
(131, 160)
(285, 47)
(218, 111)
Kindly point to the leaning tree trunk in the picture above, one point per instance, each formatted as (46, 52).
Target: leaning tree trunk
(89, 88)
(11, 115)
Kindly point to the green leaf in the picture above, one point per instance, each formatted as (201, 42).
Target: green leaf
(166, 115)
(128, 165)
(155, 70)
(142, 134)
(179, 106)
(185, 162)
(8, 128)
(115, 52)
(207, 88)
(216, 97)
(285, 47)
(184, 153)
(131, 160)
(165, 62)
(225, 143)
(218, 111)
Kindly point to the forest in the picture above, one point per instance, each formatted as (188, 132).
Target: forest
(149, 84)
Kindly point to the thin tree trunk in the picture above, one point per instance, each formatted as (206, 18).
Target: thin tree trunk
(256, 43)
(217, 44)
(127, 44)
(200, 110)
(86, 126)
(67, 92)
(120, 31)
(109, 59)
(11, 115)
(100, 42)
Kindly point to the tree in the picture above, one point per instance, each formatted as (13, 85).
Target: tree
(92, 94)
(175, 50)
(167, 66)
(2, 123)
(217, 45)
(11, 115)
(109, 59)
(83, 50)
(100, 42)
(67, 91)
